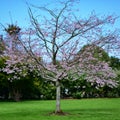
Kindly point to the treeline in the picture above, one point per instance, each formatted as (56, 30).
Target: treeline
(33, 87)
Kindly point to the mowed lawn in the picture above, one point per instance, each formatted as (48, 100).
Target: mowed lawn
(84, 109)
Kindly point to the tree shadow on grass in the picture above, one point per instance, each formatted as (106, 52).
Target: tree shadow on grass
(92, 112)
(85, 112)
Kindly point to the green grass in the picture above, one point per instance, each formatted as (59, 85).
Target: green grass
(85, 109)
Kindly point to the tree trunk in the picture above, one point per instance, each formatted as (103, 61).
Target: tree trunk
(58, 110)
(16, 95)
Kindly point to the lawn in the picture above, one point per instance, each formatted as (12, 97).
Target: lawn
(84, 109)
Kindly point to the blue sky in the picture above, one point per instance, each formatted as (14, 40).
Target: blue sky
(16, 10)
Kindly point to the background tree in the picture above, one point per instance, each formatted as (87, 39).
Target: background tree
(96, 56)
(19, 73)
(95, 67)
(59, 37)
(115, 64)
(4, 83)
(12, 44)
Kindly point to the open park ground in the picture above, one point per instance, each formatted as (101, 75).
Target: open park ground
(83, 109)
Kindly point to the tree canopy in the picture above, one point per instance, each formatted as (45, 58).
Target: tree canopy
(59, 37)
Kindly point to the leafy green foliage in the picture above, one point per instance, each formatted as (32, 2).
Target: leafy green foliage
(4, 84)
(115, 63)
(2, 46)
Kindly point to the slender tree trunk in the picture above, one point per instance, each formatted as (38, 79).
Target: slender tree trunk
(58, 110)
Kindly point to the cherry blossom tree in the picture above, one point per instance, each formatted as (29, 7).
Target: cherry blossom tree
(96, 70)
(52, 44)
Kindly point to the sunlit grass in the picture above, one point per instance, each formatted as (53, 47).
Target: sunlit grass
(85, 109)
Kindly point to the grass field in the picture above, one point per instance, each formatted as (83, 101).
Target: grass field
(85, 109)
